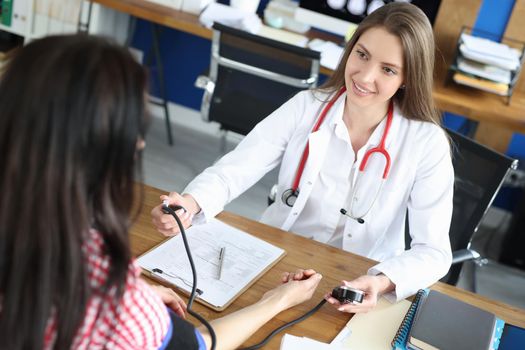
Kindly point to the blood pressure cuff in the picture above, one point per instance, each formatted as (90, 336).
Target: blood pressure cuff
(182, 335)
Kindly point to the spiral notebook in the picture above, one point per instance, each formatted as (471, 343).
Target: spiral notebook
(400, 339)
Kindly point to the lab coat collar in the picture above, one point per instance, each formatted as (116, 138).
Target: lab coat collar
(375, 138)
(335, 116)
(320, 139)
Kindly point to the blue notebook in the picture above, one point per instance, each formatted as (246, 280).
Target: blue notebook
(444, 322)
(513, 338)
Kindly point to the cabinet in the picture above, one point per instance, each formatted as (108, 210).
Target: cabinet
(17, 17)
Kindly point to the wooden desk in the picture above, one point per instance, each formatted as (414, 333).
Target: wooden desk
(333, 263)
(497, 121)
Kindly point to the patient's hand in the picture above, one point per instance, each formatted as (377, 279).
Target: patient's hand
(171, 299)
(296, 288)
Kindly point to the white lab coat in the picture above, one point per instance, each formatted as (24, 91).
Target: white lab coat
(421, 179)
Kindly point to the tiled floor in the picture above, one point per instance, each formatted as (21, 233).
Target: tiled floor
(197, 146)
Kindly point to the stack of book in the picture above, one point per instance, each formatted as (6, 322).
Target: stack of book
(486, 65)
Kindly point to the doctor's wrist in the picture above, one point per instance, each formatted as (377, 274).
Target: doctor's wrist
(385, 284)
(191, 204)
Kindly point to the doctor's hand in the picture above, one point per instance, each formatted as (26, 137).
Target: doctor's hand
(373, 286)
(165, 223)
(296, 287)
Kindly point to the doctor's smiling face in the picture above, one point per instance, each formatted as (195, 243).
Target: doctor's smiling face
(374, 69)
(390, 55)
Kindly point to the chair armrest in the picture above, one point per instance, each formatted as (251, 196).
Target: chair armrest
(272, 195)
(462, 255)
(204, 82)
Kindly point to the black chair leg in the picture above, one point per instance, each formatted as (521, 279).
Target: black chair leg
(473, 284)
(160, 76)
(83, 27)
(224, 141)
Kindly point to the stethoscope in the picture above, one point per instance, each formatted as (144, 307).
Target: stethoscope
(290, 195)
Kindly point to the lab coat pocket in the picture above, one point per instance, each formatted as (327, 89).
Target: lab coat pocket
(355, 238)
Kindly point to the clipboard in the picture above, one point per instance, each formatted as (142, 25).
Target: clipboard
(246, 260)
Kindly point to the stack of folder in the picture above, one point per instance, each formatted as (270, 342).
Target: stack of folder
(438, 321)
(486, 65)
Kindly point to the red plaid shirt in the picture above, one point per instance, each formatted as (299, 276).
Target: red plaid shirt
(139, 321)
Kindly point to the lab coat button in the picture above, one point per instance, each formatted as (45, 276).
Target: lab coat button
(295, 213)
(349, 235)
(309, 182)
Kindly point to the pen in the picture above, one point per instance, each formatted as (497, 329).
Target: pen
(222, 255)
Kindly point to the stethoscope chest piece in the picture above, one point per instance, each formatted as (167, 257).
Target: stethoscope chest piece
(290, 196)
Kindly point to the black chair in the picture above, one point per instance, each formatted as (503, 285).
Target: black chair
(479, 174)
(250, 76)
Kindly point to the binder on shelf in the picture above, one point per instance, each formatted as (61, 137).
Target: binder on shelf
(438, 321)
(7, 12)
(221, 278)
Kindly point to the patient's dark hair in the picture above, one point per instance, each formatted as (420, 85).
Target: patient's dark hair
(72, 109)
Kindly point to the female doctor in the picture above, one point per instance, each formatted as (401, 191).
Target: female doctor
(356, 155)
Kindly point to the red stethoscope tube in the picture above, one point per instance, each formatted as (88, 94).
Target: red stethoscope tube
(290, 195)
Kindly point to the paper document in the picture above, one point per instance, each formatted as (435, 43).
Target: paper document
(292, 342)
(373, 330)
(330, 52)
(284, 36)
(489, 52)
(481, 70)
(245, 259)
(231, 17)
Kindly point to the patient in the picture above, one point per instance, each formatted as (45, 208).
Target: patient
(72, 126)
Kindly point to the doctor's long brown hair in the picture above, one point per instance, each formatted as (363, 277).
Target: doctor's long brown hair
(411, 25)
(71, 112)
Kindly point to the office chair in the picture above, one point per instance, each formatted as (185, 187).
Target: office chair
(479, 174)
(250, 76)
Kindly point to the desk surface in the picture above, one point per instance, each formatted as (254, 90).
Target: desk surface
(334, 264)
(497, 120)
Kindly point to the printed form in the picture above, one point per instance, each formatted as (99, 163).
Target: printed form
(246, 258)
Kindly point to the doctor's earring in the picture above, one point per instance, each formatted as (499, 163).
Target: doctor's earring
(402, 87)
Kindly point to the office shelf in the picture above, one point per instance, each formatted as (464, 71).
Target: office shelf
(486, 69)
